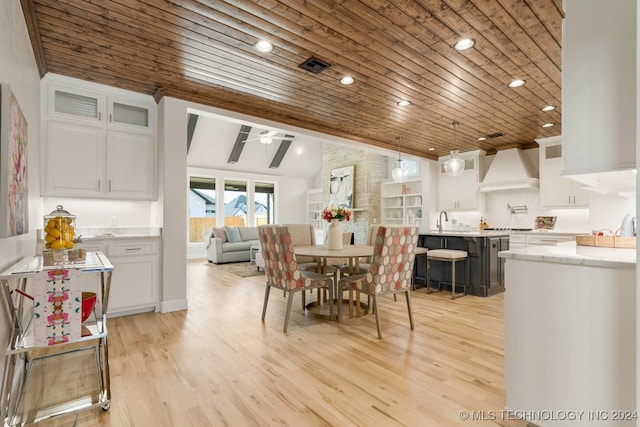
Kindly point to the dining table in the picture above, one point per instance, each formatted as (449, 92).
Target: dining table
(352, 255)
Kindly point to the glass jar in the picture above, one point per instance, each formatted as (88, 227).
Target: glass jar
(59, 236)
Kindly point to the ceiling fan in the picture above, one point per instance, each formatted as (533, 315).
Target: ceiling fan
(267, 137)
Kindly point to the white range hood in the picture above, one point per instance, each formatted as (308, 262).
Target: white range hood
(510, 170)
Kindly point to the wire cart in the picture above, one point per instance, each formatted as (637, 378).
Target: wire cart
(44, 380)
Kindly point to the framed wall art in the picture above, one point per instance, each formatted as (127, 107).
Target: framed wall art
(341, 187)
(14, 212)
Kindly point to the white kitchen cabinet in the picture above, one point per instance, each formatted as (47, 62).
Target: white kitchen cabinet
(96, 145)
(557, 191)
(401, 200)
(72, 160)
(598, 86)
(461, 192)
(93, 106)
(130, 165)
(135, 285)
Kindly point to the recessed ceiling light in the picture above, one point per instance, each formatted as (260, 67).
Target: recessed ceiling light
(547, 125)
(482, 138)
(263, 46)
(432, 149)
(347, 80)
(548, 108)
(404, 103)
(517, 83)
(464, 44)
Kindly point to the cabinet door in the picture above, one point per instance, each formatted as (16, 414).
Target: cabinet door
(468, 190)
(73, 160)
(76, 104)
(555, 190)
(131, 171)
(129, 114)
(133, 284)
(580, 197)
(447, 192)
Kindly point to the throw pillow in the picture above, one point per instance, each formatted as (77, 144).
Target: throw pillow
(220, 234)
(233, 234)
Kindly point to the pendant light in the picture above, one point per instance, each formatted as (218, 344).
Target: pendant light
(454, 166)
(399, 174)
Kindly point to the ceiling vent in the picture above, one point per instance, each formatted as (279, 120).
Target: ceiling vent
(495, 135)
(314, 65)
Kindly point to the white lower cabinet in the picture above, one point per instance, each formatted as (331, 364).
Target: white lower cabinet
(135, 285)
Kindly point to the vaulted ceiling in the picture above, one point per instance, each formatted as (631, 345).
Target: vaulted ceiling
(203, 51)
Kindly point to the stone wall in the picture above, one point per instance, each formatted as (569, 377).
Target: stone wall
(370, 169)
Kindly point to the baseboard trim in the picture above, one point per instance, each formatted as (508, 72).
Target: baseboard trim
(175, 305)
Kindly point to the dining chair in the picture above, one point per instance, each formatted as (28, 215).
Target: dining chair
(282, 271)
(390, 271)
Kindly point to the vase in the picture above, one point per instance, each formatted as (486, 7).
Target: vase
(335, 235)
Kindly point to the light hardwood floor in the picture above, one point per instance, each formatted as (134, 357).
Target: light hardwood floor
(217, 364)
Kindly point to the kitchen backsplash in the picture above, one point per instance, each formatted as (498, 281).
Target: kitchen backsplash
(107, 213)
(604, 212)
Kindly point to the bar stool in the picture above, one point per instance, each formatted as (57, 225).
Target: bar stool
(446, 255)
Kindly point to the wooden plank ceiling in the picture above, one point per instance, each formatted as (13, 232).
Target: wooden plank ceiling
(203, 51)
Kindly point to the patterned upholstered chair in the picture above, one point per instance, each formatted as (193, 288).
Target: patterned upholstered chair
(282, 272)
(390, 270)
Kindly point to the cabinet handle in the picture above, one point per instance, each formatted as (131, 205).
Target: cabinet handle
(98, 185)
(99, 115)
(110, 118)
(133, 249)
(109, 186)
(569, 199)
(574, 200)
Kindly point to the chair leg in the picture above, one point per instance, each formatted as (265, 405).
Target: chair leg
(266, 300)
(331, 300)
(288, 315)
(410, 309)
(340, 291)
(304, 300)
(395, 297)
(375, 307)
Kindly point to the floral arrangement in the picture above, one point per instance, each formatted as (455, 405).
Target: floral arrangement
(336, 212)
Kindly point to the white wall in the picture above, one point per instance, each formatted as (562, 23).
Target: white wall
(18, 69)
(172, 196)
(92, 213)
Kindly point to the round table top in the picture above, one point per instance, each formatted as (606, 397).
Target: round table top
(347, 251)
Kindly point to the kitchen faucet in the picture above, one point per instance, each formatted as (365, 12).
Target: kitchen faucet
(439, 222)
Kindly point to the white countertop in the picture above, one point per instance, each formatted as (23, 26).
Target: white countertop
(89, 234)
(570, 253)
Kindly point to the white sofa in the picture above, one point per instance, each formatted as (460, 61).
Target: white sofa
(220, 250)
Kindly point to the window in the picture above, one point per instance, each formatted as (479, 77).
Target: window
(264, 203)
(235, 202)
(411, 166)
(202, 206)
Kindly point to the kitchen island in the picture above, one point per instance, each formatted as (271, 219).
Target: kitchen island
(570, 334)
(481, 274)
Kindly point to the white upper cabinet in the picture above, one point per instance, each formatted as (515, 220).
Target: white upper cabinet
(557, 191)
(599, 86)
(97, 144)
(461, 192)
